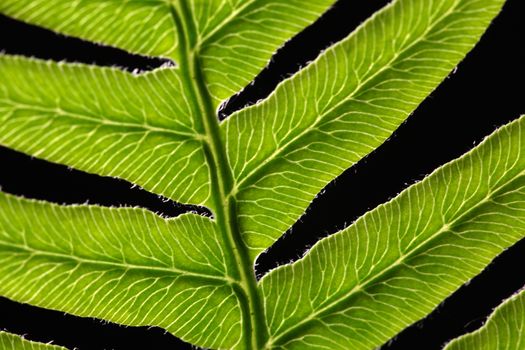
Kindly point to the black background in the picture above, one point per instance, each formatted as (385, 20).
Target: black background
(486, 91)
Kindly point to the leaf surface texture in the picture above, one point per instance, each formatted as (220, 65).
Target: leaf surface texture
(105, 121)
(358, 288)
(257, 172)
(323, 120)
(14, 342)
(124, 265)
(235, 39)
(504, 330)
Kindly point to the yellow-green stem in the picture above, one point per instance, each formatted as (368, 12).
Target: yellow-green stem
(225, 210)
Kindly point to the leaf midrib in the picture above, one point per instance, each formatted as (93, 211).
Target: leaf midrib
(253, 325)
(446, 227)
(254, 328)
(118, 265)
(252, 176)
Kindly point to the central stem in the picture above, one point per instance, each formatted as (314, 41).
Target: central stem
(254, 330)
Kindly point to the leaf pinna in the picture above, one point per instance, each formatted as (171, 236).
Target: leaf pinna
(257, 172)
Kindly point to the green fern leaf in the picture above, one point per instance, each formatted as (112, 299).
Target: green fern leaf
(105, 121)
(234, 39)
(323, 120)
(124, 265)
(13, 342)
(257, 172)
(505, 329)
(360, 287)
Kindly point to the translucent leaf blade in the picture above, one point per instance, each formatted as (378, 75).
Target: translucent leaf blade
(108, 122)
(14, 342)
(504, 330)
(144, 27)
(123, 265)
(320, 122)
(358, 288)
(238, 38)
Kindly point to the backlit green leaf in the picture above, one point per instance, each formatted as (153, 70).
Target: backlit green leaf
(105, 121)
(124, 265)
(505, 329)
(318, 123)
(14, 342)
(358, 288)
(140, 26)
(234, 39)
(257, 172)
